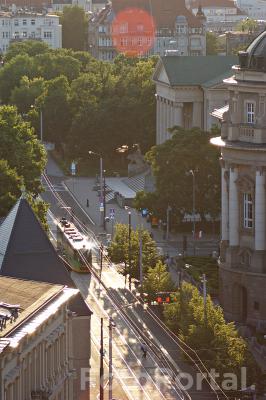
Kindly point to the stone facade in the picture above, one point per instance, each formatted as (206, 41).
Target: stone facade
(188, 103)
(243, 163)
(35, 353)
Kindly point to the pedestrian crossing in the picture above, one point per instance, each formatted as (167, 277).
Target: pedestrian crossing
(56, 187)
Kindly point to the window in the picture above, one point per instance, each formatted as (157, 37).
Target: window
(48, 35)
(32, 34)
(24, 34)
(250, 113)
(16, 22)
(248, 211)
(24, 22)
(33, 22)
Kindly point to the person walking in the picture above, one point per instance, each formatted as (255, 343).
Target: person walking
(144, 350)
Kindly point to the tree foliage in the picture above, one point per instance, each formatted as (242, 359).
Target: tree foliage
(216, 342)
(211, 44)
(119, 249)
(74, 28)
(157, 279)
(171, 162)
(249, 25)
(22, 159)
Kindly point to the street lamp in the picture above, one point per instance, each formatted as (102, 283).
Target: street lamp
(194, 206)
(101, 187)
(129, 248)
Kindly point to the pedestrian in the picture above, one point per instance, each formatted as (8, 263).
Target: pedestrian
(88, 203)
(144, 350)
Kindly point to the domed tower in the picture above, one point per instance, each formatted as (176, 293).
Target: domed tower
(200, 15)
(243, 162)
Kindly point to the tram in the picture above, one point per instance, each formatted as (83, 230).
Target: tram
(74, 246)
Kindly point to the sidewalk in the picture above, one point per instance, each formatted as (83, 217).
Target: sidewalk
(82, 190)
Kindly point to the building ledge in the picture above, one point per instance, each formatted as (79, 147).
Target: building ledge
(238, 145)
(241, 270)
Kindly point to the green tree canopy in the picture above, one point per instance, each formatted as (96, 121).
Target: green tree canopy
(74, 28)
(216, 342)
(157, 279)
(211, 44)
(21, 149)
(171, 162)
(249, 25)
(10, 184)
(25, 95)
(119, 249)
(28, 47)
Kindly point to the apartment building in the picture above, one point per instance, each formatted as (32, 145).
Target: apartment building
(176, 29)
(22, 25)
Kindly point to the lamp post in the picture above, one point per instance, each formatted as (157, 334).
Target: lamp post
(129, 248)
(102, 222)
(41, 125)
(194, 206)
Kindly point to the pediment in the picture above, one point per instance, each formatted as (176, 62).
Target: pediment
(160, 74)
(245, 184)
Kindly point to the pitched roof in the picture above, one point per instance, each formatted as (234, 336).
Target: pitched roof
(213, 4)
(194, 71)
(164, 12)
(27, 253)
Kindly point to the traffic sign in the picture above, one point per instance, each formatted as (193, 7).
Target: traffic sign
(73, 168)
(101, 207)
(112, 213)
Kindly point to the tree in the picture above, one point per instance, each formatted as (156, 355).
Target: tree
(25, 95)
(171, 163)
(54, 103)
(21, 149)
(211, 44)
(27, 47)
(216, 342)
(119, 249)
(74, 28)
(157, 279)
(51, 65)
(10, 184)
(248, 25)
(12, 72)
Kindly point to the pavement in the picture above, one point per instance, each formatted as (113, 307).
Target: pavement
(82, 190)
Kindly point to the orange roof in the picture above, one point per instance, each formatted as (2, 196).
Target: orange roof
(164, 12)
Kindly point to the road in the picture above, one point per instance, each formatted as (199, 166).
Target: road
(138, 379)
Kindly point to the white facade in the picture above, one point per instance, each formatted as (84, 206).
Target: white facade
(221, 19)
(25, 26)
(35, 357)
(85, 4)
(254, 8)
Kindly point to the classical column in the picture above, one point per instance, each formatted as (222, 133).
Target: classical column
(157, 119)
(197, 114)
(225, 203)
(233, 208)
(260, 210)
(172, 114)
(178, 114)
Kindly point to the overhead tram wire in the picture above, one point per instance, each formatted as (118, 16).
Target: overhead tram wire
(179, 342)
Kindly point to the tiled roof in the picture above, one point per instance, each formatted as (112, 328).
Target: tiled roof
(27, 253)
(213, 3)
(189, 70)
(164, 12)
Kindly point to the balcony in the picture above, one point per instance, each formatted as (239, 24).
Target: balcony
(247, 133)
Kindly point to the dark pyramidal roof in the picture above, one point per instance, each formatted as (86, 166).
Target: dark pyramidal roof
(27, 253)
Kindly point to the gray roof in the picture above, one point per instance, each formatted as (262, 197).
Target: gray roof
(195, 70)
(27, 253)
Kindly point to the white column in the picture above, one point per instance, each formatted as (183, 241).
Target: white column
(233, 208)
(225, 206)
(260, 211)
(178, 114)
(172, 115)
(168, 124)
(157, 120)
(197, 115)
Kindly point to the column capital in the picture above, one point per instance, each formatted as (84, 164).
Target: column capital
(233, 166)
(260, 170)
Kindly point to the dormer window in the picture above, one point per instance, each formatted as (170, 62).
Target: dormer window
(250, 112)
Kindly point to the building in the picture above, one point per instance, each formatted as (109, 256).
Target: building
(35, 340)
(58, 5)
(236, 41)
(173, 28)
(27, 253)
(221, 15)
(97, 5)
(255, 9)
(187, 90)
(243, 163)
(22, 25)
